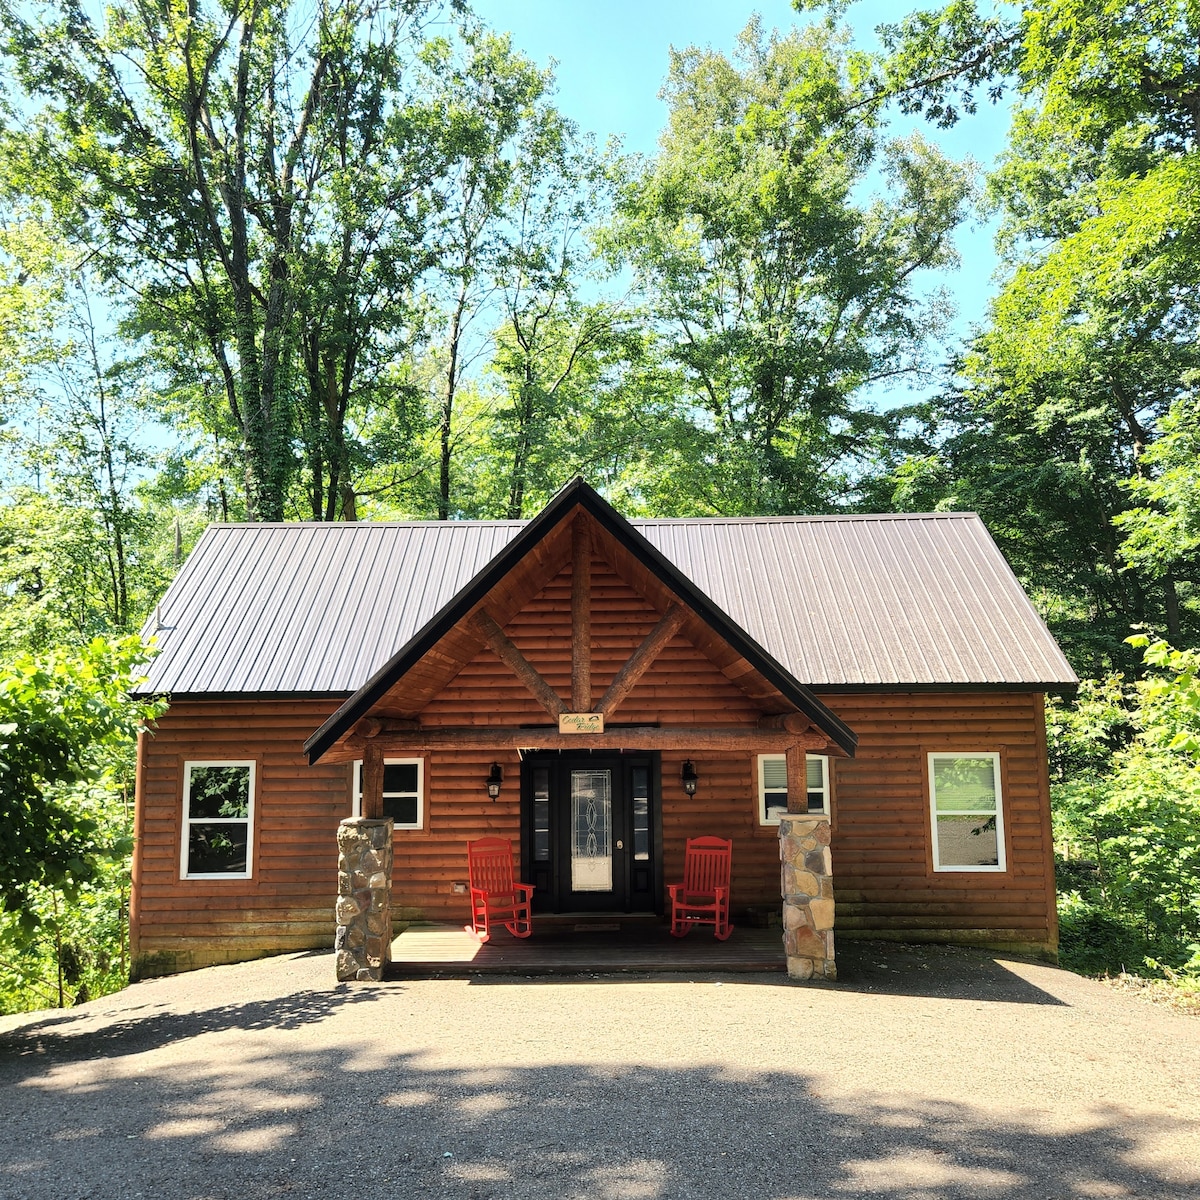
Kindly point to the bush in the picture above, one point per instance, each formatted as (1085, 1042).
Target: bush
(1126, 800)
(1094, 941)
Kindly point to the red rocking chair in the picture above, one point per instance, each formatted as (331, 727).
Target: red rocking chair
(703, 896)
(495, 896)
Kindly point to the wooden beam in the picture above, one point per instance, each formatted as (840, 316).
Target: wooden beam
(797, 779)
(497, 737)
(581, 616)
(793, 722)
(520, 666)
(372, 779)
(640, 660)
(369, 727)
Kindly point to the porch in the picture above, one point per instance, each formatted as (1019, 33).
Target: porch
(579, 945)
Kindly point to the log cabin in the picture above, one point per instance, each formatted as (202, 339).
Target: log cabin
(858, 696)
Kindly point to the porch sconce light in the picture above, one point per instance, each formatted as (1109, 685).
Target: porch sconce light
(494, 780)
(688, 777)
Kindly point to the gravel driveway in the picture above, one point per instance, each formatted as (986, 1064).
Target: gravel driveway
(923, 1073)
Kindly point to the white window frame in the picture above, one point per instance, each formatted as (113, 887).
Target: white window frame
(1001, 864)
(761, 760)
(247, 820)
(356, 789)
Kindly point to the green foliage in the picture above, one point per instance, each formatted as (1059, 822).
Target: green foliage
(777, 286)
(63, 716)
(1071, 427)
(1126, 797)
(77, 942)
(1163, 529)
(257, 185)
(67, 726)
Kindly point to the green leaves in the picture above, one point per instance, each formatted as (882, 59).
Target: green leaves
(62, 715)
(775, 290)
(1127, 814)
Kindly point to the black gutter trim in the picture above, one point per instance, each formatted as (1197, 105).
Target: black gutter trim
(892, 689)
(577, 492)
(241, 696)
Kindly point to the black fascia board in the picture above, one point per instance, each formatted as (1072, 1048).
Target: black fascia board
(578, 493)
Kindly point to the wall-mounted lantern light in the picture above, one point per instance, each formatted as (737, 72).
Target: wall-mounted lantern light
(688, 777)
(494, 780)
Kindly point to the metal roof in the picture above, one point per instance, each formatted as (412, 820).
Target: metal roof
(845, 601)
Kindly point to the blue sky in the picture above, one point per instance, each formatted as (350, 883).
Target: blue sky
(612, 58)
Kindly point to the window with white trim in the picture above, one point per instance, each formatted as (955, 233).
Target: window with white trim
(403, 791)
(218, 820)
(966, 811)
(773, 786)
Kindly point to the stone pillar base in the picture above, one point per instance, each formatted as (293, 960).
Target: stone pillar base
(806, 883)
(363, 940)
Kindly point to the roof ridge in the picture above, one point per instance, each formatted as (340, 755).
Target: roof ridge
(781, 518)
(498, 523)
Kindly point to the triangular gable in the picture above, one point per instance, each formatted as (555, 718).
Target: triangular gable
(550, 525)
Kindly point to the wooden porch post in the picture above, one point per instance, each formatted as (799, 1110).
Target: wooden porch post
(797, 779)
(372, 782)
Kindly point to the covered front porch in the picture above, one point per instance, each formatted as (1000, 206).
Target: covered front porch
(582, 703)
(580, 944)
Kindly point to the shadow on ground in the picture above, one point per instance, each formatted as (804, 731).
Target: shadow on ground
(874, 968)
(138, 1031)
(279, 1118)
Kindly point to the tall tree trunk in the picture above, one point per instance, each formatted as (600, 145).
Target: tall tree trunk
(1171, 605)
(445, 430)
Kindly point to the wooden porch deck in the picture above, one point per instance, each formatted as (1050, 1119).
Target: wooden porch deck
(581, 945)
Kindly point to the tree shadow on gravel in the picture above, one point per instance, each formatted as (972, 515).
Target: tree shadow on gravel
(279, 1119)
(76, 1034)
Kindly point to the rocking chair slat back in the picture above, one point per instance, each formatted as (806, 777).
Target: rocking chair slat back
(706, 864)
(491, 864)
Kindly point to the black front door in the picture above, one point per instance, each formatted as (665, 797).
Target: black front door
(590, 829)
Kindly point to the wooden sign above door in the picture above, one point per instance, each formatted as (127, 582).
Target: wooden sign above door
(590, 722)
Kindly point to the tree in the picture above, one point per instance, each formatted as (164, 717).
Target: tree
(1091, 343)
(776, 288)
(559, 187)
(58, 713)
(216, 166)
(1127, 817)
(1117, 62)
(499, 92)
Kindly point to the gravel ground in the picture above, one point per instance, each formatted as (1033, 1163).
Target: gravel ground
(924, 1073)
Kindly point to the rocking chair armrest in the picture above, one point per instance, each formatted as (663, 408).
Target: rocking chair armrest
(674, 890)
(525, 888)
(479, 895)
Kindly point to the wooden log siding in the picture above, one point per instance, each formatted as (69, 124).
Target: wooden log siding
(881, 825)
(882, 855)
(288, 903)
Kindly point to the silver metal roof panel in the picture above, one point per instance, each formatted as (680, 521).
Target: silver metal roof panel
(845, 601)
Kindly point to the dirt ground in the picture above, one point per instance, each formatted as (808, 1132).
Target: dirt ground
(923, 1073)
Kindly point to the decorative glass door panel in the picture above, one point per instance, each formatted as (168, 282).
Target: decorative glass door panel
(591, 831)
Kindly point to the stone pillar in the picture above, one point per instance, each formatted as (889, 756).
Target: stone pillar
(807, 886)
(363, 940)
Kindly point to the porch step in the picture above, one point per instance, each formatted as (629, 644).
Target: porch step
(641, 944)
